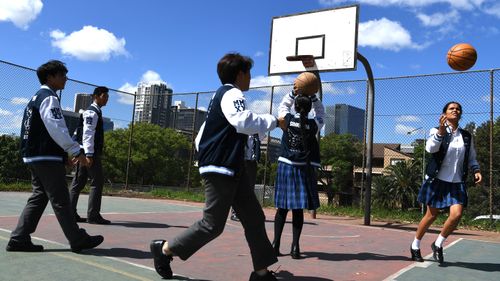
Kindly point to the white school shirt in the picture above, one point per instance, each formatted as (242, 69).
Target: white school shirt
(451, 169)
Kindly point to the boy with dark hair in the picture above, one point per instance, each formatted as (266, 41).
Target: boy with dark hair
(45, 145)
(90, 134)
(221, 143)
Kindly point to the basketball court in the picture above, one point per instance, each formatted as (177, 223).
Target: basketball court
(335, 248)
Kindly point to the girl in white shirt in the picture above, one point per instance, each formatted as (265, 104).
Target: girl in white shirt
(453, 153)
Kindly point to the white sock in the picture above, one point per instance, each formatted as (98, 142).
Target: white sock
(416, 244)
(439, 241)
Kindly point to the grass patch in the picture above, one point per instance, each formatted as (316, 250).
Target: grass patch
(194, 196)
(409, 216)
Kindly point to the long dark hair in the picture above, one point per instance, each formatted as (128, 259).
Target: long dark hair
(303, 105)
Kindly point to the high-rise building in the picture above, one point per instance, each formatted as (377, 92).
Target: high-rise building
(153, 104)
(182, 117)
(82, 101)
(344, 119)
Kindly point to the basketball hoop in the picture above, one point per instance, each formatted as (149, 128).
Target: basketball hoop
(307, 60)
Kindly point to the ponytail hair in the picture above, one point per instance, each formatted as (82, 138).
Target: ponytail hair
(303, 105)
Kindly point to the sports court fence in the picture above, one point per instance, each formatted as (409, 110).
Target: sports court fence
(405, 109)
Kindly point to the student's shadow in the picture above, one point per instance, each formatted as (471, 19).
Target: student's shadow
(119, 253)
(487, 267)
(349, 257)
(176, 277)
(287, 275)
(111, 252)
(138, 224)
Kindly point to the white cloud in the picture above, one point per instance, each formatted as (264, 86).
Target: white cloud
(19, 101)
(439, 19)
(13, 122)
(492, 9)
(89, 44)
(259, 54)
(408, 118)
(20, 12)
(385, 34)
(4, 112)
(405, 130)
(124, 98)
(152, 77)
(459, 4)
(261, 81)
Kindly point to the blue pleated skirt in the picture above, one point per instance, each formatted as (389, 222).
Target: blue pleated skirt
(441, 194)
(296, 187)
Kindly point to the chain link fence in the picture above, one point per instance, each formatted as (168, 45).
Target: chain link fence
(405, 109)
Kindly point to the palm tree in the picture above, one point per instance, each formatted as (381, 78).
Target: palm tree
(382, 197)
(405, 182)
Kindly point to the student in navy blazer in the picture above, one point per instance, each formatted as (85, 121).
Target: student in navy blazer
(221, 144)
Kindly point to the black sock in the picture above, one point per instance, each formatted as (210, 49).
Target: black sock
(279, 224)
(297, 223)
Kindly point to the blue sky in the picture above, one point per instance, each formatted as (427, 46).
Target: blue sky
(117, 42)
(120, 43)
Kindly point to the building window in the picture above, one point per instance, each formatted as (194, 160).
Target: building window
(395, 161)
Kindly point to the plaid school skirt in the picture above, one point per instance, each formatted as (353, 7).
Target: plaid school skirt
(441, 194)
(296, 187)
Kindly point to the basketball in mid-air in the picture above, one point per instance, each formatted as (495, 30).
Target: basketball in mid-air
(306, 84)
(461, 57)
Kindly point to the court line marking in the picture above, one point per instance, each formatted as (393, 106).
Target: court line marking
(419, 264)
(69, 256)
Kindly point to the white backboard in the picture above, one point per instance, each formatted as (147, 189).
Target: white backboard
(331, 36)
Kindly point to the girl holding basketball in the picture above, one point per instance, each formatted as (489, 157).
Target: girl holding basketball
(453, 154)
(296, 184)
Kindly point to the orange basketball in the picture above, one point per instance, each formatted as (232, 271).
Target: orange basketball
(306, 83)
(461, 57)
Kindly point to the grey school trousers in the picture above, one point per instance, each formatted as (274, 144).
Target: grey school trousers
(96, 185)
(48, 180)
(222, 192)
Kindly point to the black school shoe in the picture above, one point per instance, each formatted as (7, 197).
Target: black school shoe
(88, 242)
(437, 253)
(98, 220)
(14, 246)
(416, 255)
(268, 277)
(80, 219)
(161, 261)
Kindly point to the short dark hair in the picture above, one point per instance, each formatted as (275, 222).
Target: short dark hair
(230, 65)
(451, 102)
(100, 90)
(52, 67)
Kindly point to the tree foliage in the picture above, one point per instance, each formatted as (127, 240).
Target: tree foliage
(11, 163)
(339, 155)
(399, 186)
(479, 195)
(159, 156)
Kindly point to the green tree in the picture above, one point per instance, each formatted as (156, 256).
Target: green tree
(382, 192)
(159, 156)
(479, 196)
(405, 180)
(339, 155)
(11, 163)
